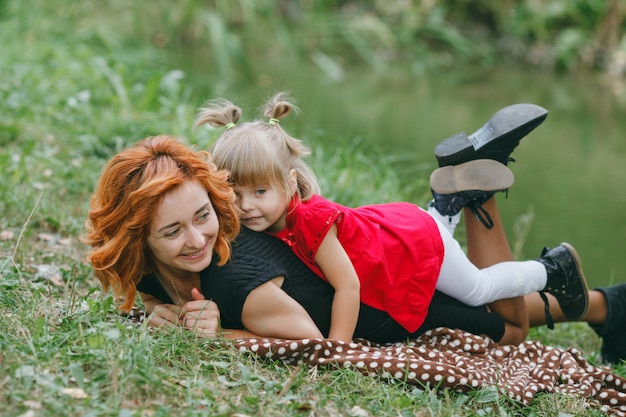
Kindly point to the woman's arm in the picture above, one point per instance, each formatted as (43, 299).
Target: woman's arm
(199, 315)
(270, 312)
(340, 273)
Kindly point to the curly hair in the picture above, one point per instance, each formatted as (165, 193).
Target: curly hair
(132, 185)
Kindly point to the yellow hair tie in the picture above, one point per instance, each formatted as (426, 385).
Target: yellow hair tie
(273, 121)
(229, 125)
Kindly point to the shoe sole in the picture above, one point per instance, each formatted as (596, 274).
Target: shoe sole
(583, 281)
(476, 175)
(510, 123)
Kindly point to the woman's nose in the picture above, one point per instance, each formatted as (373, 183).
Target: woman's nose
(195, 238)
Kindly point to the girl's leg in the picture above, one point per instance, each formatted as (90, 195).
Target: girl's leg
(606, 314)
(485, 274)
(486, 247)
(463, 280)
(596, 314)
(486, 242)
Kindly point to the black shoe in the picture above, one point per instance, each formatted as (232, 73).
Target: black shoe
(613, 330)
(496, 139)
(566, 281)
(469, 185)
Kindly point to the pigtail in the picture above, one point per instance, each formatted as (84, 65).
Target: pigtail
(279, 106)
(218, 113)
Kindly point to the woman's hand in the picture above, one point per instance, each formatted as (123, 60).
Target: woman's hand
(201, 315)
(165, 315)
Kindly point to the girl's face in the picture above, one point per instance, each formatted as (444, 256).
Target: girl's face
(263, 207)
(184, 229)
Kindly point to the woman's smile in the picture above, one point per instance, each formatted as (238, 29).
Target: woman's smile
(196, 255)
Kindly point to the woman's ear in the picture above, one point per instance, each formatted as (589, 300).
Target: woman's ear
(292, 179)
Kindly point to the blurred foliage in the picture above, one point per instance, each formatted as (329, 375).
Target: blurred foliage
(232, 39)
(233, 36)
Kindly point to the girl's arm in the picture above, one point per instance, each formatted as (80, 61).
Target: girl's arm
(270, 312)
(340, 273)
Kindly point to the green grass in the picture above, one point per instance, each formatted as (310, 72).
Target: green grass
(75, 88)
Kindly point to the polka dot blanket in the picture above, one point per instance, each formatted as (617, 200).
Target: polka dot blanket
(457, 360)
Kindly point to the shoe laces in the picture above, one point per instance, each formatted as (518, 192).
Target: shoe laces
(546, 309)
(481, 214)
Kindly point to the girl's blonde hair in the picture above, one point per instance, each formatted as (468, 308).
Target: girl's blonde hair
(125, 201)
(259, 152)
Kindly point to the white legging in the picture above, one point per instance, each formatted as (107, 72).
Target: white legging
(461, 279)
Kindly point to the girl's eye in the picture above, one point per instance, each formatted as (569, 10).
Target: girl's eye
(261, 191)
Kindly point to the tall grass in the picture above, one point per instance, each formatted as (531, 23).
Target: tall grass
(81, 80)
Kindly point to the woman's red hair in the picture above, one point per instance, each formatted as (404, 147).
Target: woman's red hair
(127, 195)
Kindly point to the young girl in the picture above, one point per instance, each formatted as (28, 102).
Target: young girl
(390, 256)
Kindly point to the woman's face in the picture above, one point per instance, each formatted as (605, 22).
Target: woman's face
(184, 229)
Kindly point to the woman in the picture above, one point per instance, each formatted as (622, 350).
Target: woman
(161, 214)
(152, 175)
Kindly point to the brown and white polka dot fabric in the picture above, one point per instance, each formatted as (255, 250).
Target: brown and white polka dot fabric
(457, 360)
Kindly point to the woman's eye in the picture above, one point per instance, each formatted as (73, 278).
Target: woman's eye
(171, 234)
(204, 216)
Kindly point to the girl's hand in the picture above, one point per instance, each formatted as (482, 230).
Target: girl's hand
(201, 315)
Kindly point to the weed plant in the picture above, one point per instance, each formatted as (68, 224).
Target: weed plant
(77, 86)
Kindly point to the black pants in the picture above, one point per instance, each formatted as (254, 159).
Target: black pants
(444, 311)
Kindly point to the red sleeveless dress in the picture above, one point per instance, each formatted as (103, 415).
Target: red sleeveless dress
(396, 250)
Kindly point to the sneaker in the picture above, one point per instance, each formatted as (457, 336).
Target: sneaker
(469, 185)
(613, 330)
(496, 139)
